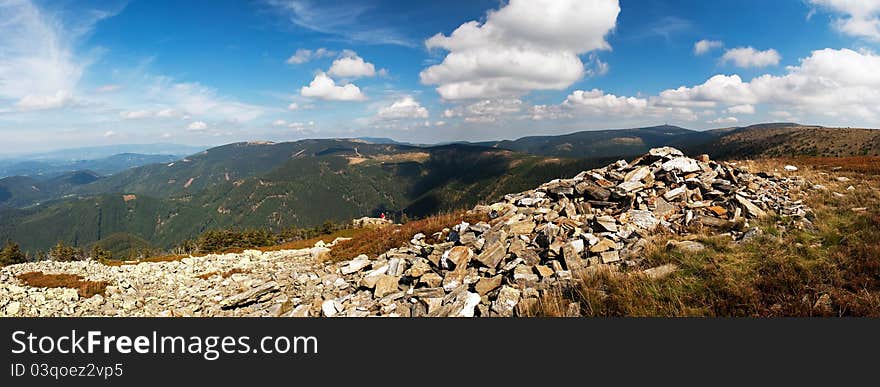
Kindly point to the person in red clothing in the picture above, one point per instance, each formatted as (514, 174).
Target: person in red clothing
(382, 216)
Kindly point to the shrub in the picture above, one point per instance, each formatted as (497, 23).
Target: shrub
(11, 254)
(65, 253)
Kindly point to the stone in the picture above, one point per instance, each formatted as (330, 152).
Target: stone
(544, 271)
(13, 308)
(791, 168)
(320, 254)
(593, 190)
(460, 256)
(521, 228)
(493, 253)
(630, 186)
(464, 306)
(686, 246)
(643, 219)
(386, 284)
(750, 207)
(681, 164)
(356, 265)
(301, 311)
(529, 256)
(674, 193)
(488, 284)
(257, 294)
(608, 223)
(331, 308)
(718, 210)
(572, 256)
(660, 271)
(610, 256)
(637, 174)
(431, 279)
(419, 268)
(429, 292)
(507, 300)
(603, 245)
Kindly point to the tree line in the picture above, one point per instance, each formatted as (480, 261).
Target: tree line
(212, 241)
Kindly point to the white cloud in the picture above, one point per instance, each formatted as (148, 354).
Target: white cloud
(860, 18)
(488, 110)
(135, 114)
(404, 108)
(325, 88)
(349, 20)
(597, 103)
(303, 55)
(749, 57)
(108, 88)
(834, 83)
(109, 133)
(197, 126)
(741, 109)
(724, 120)
(293, 106)
(705, 46)
(60, 99)
(351, 65)
(523, 46)
(279, 123)
(38, 66)
(194, 99)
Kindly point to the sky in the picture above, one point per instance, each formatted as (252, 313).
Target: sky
(84, 73)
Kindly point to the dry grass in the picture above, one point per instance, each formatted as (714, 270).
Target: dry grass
(374, 242)
(84, 288)
(833, 270)
(224, 275)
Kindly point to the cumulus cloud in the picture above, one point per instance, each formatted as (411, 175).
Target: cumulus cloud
(724, 120)
(488, 110)
(404, 108)
(293, 106)
(750, 57)
(705, 46)
(741, 109)
(523, 46)
(197, 126)
(860, 18)
(323, 87)
(304, 55)
(135, 114)
(350, 65)
(830, 82)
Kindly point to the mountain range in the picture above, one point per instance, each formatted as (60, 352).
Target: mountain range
(304, 183)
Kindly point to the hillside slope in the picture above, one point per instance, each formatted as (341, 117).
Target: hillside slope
(276, 186)
(792, 140)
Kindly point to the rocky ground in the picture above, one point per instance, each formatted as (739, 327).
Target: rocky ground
(531, 242)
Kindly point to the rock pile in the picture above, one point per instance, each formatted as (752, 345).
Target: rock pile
(530, 242)
(539, 238)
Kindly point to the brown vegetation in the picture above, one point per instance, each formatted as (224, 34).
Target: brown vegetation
(84, 288)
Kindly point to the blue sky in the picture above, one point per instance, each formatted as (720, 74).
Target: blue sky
(78, 73)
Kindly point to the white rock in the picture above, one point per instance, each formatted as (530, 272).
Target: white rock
(331, 308)
(791, 168)
(681, 164)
